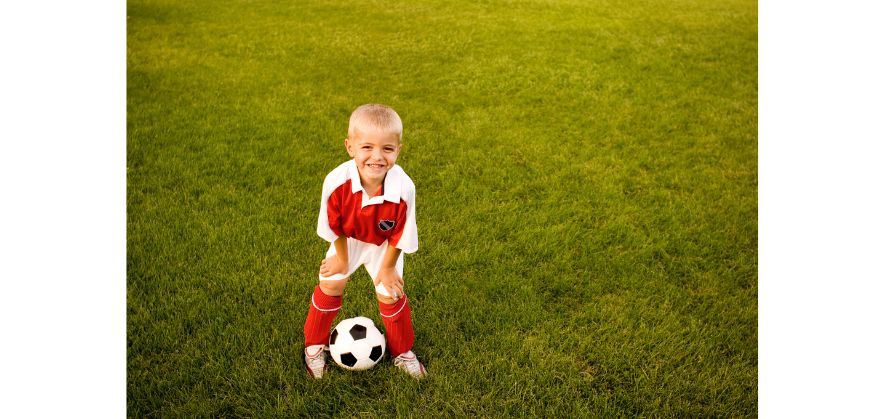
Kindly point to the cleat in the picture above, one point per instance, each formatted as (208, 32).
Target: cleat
(315, 360)
(409, 363)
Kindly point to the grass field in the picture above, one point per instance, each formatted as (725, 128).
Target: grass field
(587, 207)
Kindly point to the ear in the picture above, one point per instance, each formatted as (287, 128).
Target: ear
(348, 146)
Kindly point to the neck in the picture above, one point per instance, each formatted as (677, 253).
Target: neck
(371, 188)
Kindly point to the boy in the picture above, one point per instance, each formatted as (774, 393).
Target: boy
(367, 213)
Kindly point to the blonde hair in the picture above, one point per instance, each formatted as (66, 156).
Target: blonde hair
(375, 117)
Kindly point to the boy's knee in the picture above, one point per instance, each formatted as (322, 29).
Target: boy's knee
(385, 299)
(333, 288)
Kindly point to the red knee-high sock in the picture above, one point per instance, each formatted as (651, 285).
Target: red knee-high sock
(323, 309)
(397, 318)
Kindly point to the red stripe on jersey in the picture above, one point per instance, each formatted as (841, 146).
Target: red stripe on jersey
(370, 224)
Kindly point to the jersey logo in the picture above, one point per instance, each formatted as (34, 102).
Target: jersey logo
(386, 225)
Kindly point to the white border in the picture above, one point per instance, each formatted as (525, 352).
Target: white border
(821, 211)
(63, 219)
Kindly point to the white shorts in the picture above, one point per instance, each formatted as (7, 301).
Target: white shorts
(362, 253)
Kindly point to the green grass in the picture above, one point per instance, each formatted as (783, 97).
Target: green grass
(587, 208)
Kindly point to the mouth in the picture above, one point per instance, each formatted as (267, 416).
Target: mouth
(375, 166)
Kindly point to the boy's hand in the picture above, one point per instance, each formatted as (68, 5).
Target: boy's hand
(332, 265)
(392, 281)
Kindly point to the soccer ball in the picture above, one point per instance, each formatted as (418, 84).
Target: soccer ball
(356, 344)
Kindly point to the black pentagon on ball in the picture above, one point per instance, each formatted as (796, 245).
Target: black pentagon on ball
(348, 359)
(358, 332)
(376, 353)
(334, 336)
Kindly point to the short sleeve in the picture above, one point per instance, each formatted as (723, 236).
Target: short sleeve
(329, 221)
(407, 239)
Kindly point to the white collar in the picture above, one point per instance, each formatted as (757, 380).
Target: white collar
(392, 185)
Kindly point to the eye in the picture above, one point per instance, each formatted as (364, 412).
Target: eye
(365, 147)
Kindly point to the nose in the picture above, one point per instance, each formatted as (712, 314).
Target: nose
(376, 153)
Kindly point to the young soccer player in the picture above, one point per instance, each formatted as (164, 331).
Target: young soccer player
(367, 213)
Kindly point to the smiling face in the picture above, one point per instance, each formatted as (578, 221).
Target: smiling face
(375, 153)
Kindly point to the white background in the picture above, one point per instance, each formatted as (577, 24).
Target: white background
(63, 209)
(821, 211)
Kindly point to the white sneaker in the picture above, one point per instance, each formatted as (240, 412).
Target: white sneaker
(315, 360)
(409, 363)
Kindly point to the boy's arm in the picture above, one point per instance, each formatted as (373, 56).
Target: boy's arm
(341, 250)
(329, 223)
(388, 276)
(338, 262)
(390, 257)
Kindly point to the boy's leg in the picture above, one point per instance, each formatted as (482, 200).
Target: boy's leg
(326, 299)
(325, 302)
(395, 313)
(324, 305)
(323, 308)
(397, 318)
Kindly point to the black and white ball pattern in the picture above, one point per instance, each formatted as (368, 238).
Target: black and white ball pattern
(356, 344)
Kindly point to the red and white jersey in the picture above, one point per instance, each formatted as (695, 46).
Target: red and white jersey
(346, 209)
